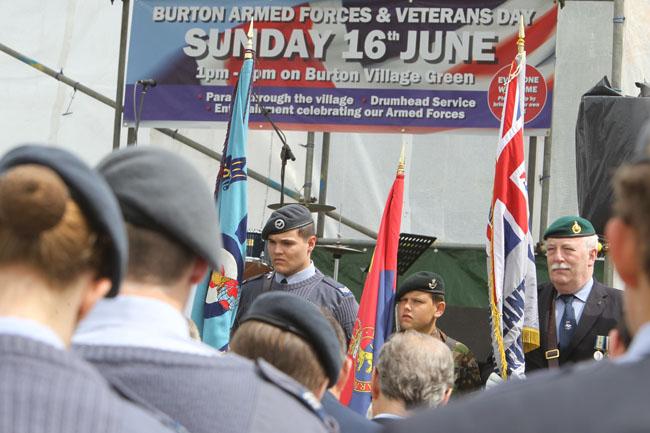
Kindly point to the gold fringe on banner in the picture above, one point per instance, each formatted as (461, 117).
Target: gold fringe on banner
(530, 338)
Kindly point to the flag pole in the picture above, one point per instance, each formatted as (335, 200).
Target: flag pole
(520, 40)
(249, 44)
(400, 166)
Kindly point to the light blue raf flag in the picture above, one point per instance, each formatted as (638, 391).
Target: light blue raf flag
(217, 297)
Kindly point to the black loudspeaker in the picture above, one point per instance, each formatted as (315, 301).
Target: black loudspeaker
(607, 134)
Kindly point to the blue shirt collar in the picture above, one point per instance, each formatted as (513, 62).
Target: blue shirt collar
(138, 321)
(30, 329)
(584, 291)
(306, 273)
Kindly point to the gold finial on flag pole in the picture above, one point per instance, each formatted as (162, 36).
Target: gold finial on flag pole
(400, 166)
(522, 35)
(249, 44)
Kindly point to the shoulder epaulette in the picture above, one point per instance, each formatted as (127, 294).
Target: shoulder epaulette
(257, 277)
(344, 291)
(338, 286)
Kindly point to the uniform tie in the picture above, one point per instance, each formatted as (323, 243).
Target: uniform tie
(284, 281)
(568, 323)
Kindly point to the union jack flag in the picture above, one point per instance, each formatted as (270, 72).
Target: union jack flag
(511, 261)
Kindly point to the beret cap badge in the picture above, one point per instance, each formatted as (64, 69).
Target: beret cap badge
(279, 224)
(575, 228)
(433, 284)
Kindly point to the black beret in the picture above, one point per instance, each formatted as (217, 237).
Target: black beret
(161, 191)
(289, 217)
(299, 316)
(422, 281)
(89, 191)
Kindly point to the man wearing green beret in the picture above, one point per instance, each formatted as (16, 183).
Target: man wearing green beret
(576, 312)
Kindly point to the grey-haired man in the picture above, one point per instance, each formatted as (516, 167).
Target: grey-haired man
(414, 371)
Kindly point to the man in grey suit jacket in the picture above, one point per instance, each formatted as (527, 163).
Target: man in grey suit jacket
(606, 396)
(576, 312)
(140, 341)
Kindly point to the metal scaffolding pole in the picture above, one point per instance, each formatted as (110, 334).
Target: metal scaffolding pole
(532, 170)
(217, 156)
(544, 181)
(364, 243)
(59, 76)
(322, 189)
(617, 44)
(168, 132)
(322, 197)
(617, 83)
(309, 166)
(119, 94)
(348, 222)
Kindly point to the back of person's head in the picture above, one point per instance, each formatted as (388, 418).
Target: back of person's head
(62, 238)
(59, 217)
(632, 205)
(41, 226)
(283, 349)
(628, 232)
(169, 210)
(155, 258)
(416, 369)
(290, 333)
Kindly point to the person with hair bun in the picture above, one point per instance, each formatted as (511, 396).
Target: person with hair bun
(62, 247)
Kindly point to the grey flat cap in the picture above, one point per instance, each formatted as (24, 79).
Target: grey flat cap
(289, 217)
(161, 191)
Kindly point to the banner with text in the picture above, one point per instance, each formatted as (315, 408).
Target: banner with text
(339, 65)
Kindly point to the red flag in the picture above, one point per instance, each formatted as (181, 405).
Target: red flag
(375, 318)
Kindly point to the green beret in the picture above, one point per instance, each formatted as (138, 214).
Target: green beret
(422, 281)
(570, 227)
